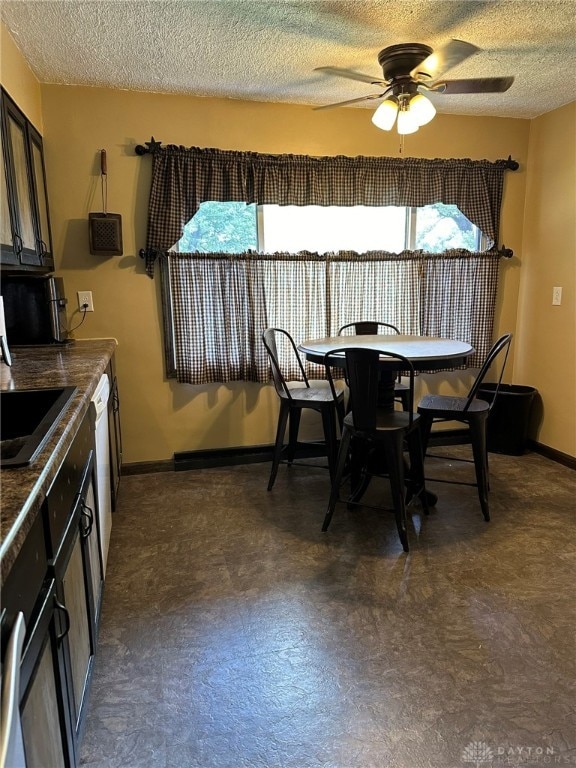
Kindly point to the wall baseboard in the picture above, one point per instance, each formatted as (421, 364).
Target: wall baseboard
(147, 467)
(552, 453)
(228, 457)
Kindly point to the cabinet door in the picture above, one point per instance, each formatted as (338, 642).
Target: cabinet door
(8, 255)
(43, 234)
(21, 184)
(79, 588)
(46, 728)
(90, 532)
(43, 743)
(73, 595)
(25, 237)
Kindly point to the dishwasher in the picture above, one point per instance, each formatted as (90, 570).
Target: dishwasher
(99, 426)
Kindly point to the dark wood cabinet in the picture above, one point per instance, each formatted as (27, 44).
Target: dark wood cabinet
(40, 700)
(57, 582)
(76, 563)
(25, 236)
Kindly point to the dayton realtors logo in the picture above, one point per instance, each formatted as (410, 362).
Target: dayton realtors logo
(481, 755)
(477, 753)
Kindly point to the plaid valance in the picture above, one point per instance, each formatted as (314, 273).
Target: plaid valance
(183, 178)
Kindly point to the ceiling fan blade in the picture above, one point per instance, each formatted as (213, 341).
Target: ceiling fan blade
(475, 85)
(351, 101)
(351, 75)
(443, 58)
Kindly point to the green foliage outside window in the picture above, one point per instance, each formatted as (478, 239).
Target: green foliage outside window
(226, 227)
(440, 227)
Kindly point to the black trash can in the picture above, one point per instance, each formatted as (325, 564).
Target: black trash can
(509, 418)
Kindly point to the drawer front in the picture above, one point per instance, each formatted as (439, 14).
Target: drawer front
(64, 490)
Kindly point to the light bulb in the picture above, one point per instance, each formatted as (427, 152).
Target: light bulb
(385, 115)
(422, 109)
(407, 122)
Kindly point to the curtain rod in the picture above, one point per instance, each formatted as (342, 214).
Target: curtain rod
(149, 147)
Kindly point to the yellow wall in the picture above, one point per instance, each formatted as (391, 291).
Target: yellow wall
(19, 81)
(546, 338)
(160, 416)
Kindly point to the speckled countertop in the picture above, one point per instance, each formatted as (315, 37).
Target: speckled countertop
(79, 364)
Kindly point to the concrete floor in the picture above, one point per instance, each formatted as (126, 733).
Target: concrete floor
(235, 634)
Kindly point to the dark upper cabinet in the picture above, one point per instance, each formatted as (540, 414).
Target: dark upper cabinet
(25, 238)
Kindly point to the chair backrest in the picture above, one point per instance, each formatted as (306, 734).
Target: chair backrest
(270, 337)
(500, 346)
(370, 328)
(363, 369)
(367, 328)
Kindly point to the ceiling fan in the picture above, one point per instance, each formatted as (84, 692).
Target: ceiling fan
(409, 69)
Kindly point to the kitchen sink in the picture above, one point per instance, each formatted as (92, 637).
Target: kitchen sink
(27, 419)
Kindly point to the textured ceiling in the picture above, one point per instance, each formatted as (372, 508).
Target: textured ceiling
(267, 50)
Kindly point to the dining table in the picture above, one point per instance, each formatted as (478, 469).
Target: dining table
(426, 353)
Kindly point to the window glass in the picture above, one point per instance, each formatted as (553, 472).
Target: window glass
(227, 227)
(236, 227)
(323, 229)
(440, 227)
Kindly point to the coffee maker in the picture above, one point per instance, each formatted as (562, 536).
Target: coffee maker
(34, 310)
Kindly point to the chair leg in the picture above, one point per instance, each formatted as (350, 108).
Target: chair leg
(425, 430)
(417, 481)
(404, 396)
(340, 412)
(330, 438)
(335, 490)
(395, 464)
(360, 456)
(478, 436)
(281, 429)
(293, 427)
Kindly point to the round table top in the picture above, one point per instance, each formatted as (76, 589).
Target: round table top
(424, 352)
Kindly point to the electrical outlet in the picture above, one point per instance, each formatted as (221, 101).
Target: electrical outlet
(85, 301)
(556, 296)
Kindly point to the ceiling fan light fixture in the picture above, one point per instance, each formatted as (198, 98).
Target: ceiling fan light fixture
(385, 115)
(407, 122)
(422, 109)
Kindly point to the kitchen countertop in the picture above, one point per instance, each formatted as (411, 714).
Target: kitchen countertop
(79, 364)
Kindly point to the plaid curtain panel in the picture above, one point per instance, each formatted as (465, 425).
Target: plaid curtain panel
(458, 294)
(223, 302)
(184, 178)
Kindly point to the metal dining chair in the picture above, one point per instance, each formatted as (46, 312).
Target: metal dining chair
(384, 430)
(372, 328)
(472, 411)
(295, 396)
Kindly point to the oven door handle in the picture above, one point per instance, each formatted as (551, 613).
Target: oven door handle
(11, 740)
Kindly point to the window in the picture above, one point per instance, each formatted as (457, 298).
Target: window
(326, 288)
(218, 302)
(236, 228)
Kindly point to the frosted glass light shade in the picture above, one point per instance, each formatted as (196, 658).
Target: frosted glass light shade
(422, 109)
(407, 122)
(385, 115)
